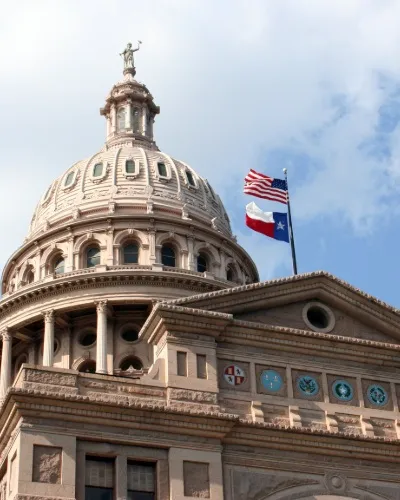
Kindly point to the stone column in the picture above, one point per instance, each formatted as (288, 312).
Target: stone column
(144, 120)
(101, 344)
(152, 246)
(128, 115)
(113, 119)
(5, 373)
(48, 344)
(191, 260)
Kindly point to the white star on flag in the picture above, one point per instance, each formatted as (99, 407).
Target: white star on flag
(280, 225)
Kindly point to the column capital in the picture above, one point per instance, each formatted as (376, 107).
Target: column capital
(6, 334)
(49, 316)
(101, 306)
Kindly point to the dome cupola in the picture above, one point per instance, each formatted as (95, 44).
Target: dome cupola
(130, 108)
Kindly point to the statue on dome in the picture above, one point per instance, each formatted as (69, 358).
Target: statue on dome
(127, 55)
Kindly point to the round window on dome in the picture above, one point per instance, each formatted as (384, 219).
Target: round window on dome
(98, 170)
(87, 339)
(88, 366)
(318, 317)
(130, 335)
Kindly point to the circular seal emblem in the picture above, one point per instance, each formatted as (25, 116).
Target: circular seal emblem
(234, 375)
(307, 385)
(377, 395)
(342, 390)
(271, 380)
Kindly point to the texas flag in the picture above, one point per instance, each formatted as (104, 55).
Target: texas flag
(272, 224)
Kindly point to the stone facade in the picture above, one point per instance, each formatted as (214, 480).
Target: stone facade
(123, 376)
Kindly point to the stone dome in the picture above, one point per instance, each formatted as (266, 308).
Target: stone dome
(131, 179)
(120, 212)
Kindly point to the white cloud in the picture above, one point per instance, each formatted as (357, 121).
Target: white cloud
(234, 80)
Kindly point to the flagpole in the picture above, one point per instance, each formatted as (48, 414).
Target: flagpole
(291, 234)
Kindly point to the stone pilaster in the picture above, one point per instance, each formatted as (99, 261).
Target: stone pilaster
(5, 372)
(48, 344)
(101, 345)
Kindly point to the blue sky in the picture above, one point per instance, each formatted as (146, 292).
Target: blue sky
(303, 84)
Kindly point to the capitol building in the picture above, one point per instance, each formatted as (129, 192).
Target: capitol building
(142, 359)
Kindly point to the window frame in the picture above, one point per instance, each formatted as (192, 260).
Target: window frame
(66, 186)
(161, 177)
(57, 259)
(195, 184)
(123, 248)
(136, 164)
(202, 255)
(172, 247)
(86, 254)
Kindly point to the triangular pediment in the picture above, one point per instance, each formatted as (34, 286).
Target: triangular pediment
(302, 302)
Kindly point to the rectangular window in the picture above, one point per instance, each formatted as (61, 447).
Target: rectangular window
(130, 166)
(182, 363)
(190, 178)
(99, 478)
(141, 481)
(201, 366)
(162, 169)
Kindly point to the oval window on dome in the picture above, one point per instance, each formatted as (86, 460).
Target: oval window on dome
(190, 179)
(69, 179)
(98, 170)
(162, 169)
(130, 167)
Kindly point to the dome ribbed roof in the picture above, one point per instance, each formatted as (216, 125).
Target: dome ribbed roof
(131, 179)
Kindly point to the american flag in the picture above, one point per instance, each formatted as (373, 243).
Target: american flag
(262, 186)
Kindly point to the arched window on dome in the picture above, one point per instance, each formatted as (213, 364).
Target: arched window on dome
(135, 120)
(59, 265)
(202, 263)
(87, 366)
(92, 256)
(29, 275)
(121, 119)
(130, 363)
(131, 253)
(168, 256)
(231, 273)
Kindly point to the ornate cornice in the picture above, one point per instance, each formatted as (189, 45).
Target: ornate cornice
(93, 281)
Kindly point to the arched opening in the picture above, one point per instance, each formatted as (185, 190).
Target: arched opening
(202, 263)
(131, 363)
(92, 256)
(230, 273)
(121, 119)
(88, 366)
(59, 265)
(168, 256)
(30, 275)
(23, 358)
(135, 120)
(130, 253)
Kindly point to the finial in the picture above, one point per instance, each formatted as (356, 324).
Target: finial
(127, 54)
